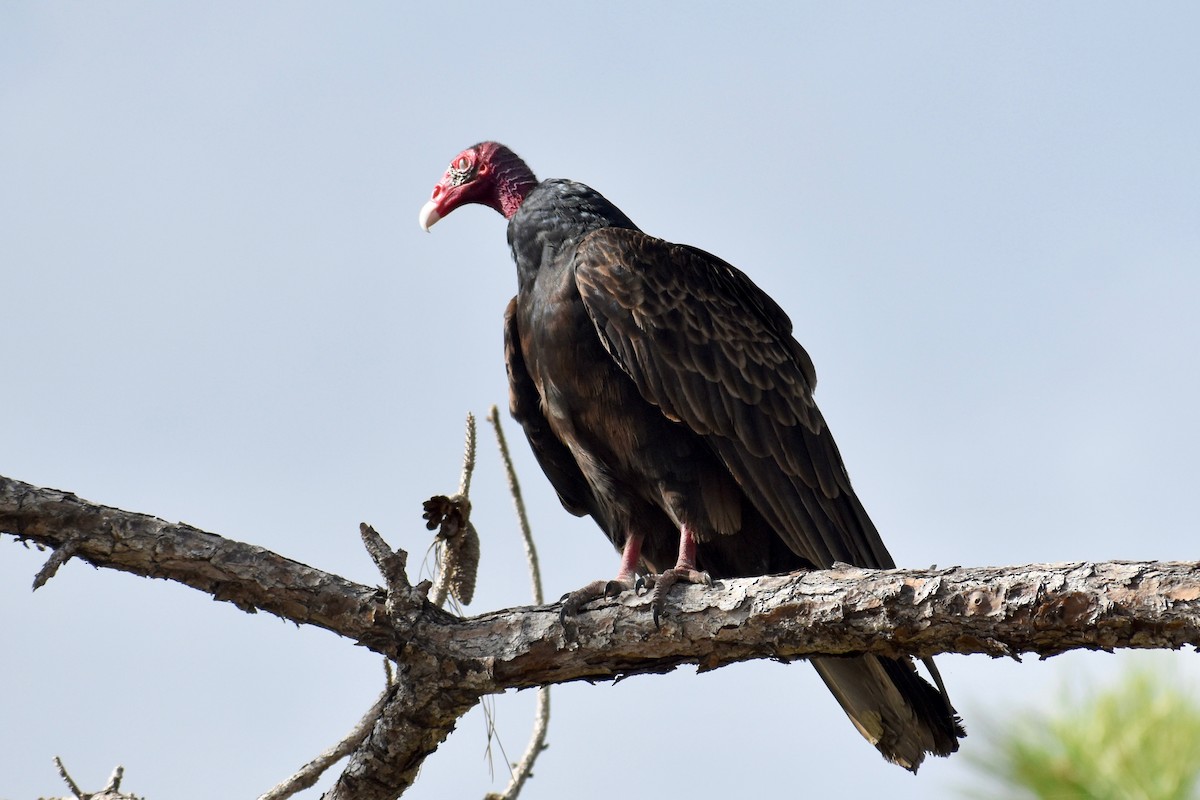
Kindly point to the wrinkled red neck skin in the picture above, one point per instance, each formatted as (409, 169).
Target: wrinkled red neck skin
(511, 177)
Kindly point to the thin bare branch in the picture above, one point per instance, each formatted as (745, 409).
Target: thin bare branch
(426, 700)
(66, 776)
(464, 483)
(523, 769)
(541, 719)
(311, 772)
(514, 488)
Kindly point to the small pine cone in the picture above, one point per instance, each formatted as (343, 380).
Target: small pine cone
(460, 560)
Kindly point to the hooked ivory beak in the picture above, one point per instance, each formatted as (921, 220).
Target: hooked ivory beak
(428, 216)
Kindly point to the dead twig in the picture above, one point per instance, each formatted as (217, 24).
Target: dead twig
(66, 776)
(60, 556)
(311, 772)
(514, 488)
(111, 790)
(523, 769)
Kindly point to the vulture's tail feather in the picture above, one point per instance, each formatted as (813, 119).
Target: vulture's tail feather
(896, 709)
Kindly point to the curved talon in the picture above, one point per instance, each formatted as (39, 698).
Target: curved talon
(568, 609)
(614, 588)
(596, 590)
(662, 585)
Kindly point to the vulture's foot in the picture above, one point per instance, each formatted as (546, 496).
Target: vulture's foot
(630, 556)
(661, 584)
(573, 601)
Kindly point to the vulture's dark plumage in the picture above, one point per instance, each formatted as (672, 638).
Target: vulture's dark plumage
(664, 396)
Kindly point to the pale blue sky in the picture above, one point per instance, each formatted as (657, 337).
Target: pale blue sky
(983, 219)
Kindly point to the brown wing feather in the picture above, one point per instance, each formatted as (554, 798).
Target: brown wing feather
(525, 405)
(711, 350)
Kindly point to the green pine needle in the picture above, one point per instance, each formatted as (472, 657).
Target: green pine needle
(1138, 739)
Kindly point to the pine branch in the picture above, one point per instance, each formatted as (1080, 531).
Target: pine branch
(252, 578)
(445, 664)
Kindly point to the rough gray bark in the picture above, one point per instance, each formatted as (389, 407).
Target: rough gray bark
(446, 663)
(251, 578)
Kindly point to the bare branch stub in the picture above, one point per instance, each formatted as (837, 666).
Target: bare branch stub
(111, 790)
(61, 555)
(391, 563)
(405, 603)
(114, 780)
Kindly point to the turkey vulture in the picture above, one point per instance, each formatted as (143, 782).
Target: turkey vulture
(664, 396)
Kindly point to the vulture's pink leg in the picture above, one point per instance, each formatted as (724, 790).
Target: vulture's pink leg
(684, 571)
(631, 555)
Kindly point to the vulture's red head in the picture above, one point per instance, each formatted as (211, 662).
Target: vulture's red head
(487, 173)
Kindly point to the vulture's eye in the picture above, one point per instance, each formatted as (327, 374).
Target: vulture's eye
(463, 164)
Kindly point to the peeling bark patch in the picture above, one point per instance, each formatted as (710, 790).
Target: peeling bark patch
(1067, 610)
